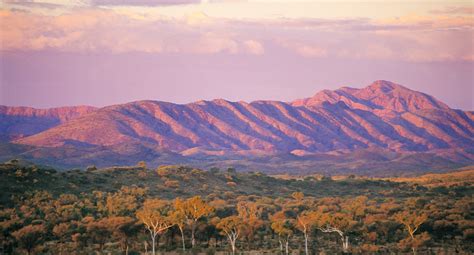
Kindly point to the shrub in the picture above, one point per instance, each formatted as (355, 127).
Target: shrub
(231, 184)
(91, 168)
(172, 184)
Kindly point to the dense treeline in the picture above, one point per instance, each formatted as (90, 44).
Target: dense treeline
(121, 218)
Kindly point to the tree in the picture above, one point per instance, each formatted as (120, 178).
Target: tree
(142, 164)
(125, 201)
(29, 236)
(337, 223)
(231, 226)
(178, 218)
(250, 214)
(281, 225)
(356, 207)
(412, 221)
(122, 228)
(214, 170)
(62, 231)
(79, 240)
(120, 204)
(304, 223)
(99, 231)
(91, 168)
(298, 196)
(193, 209)
(154, 216)
(343, 220)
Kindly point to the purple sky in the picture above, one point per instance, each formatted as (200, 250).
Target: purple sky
(42, 79)
(82, 52)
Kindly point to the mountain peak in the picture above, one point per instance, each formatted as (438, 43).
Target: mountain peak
(381, 95)
(390, 96)
(384, 86)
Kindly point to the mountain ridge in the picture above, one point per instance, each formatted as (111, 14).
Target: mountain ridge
(381, 116)
(380, 94)
(21, 121)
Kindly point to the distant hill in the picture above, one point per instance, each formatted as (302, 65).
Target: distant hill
(464, 176)
(347, 129)
(19, 122)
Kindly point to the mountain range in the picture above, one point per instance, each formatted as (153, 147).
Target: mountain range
(384, 122)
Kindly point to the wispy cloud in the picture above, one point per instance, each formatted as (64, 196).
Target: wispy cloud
(254, 47)
(47, 4)
(305, 49)
(455, 10)
(105, 30)
(414, 38)
(143, 2)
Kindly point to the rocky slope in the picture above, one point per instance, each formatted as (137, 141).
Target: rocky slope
(383, 116)
(18, 122)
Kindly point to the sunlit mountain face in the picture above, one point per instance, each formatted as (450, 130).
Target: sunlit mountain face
(385, 120)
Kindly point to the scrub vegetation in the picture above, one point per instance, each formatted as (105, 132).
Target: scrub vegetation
(180, 209)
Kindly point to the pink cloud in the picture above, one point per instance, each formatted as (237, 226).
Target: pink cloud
(311, 51)
(305, 49)
(409, 38)
(455, 10)
(254, 47)
(106, 30)
(423, 23)
(214, 43)
(144, 2)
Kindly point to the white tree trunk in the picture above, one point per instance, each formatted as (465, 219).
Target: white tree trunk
(286, 247)
(281, 244)
(306, 243)
(182, 239)
(153, 236)
(232, 236)
(193, 241)
(412, 235)
(345, 244)
(232, 244)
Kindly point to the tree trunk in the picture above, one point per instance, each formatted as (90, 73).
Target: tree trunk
(412, 241)
(232, 243)
(286, 247)
(345, 244)
(193, 241)
(182, 238)
(153, 244)
(306, 243)
(281, 244)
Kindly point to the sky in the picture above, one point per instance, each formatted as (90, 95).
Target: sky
(102, 52)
